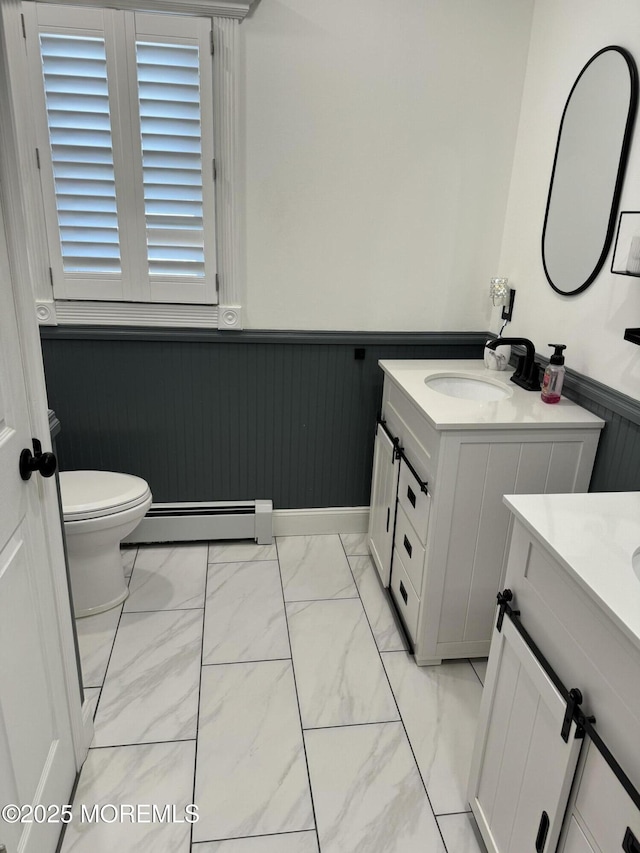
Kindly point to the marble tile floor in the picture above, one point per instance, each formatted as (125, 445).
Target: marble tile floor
(271, 687)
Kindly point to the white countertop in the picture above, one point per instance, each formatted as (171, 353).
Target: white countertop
(521, 410)
(594, 537)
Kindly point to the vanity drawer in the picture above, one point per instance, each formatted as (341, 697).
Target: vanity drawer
(410, 549)
(414, 502)
(405, 596)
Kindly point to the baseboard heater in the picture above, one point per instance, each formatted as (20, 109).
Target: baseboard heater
(192, 522)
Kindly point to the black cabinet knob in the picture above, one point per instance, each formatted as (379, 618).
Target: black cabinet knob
(44, 463)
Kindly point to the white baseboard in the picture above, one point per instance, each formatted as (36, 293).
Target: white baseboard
(309, 522)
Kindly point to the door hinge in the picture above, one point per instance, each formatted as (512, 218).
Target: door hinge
(215, 171)
(211, 41)
(37, 158)
(24, 28)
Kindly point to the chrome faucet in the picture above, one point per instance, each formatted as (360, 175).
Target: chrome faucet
(527, 373)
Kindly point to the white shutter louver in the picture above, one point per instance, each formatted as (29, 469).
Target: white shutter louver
(170, 126)
(77, 101)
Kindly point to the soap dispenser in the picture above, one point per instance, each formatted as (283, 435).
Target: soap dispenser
(554, 375)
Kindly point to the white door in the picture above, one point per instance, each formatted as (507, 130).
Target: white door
(522, 769)
(37, 763)
(384, 488)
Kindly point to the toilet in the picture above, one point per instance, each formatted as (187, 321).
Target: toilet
(100, 508)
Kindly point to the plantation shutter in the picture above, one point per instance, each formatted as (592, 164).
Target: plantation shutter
(77, 99)
(169, 100)
(127, 166)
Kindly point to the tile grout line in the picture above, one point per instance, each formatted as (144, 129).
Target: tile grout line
(476, 672)
(144, 743)
(240, 662)
(100, 686)
(195, 754)
(95, 710)
(250, 837)
(166, 610)
(211, 562)
(295, 685)
(311, 600)
(396, 703)
(399, 628)
(228, 562)
(113, 643)
(453, 814)
(349, 725)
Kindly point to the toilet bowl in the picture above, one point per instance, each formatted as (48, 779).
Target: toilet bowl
(99, 508)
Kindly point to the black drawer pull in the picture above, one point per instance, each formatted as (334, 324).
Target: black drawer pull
(630, 843)
(407, 546)
(411, 496)
(543, 829)
(405, 597)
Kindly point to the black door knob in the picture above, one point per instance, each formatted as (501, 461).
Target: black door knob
(44, 463)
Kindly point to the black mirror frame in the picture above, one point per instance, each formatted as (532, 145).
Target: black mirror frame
(624, 155)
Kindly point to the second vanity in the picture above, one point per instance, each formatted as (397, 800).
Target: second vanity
(566, 645)
(452, 439)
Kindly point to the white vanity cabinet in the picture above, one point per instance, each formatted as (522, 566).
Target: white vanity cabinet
(438, 528)
(570, 571)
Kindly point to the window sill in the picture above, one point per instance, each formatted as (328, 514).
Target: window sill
(82, 313)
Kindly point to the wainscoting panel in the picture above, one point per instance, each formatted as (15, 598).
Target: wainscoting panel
(208, 416)
(286, 416)
(617, 465)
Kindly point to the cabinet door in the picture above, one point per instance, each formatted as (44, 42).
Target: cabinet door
(521, 766)
(384, 488)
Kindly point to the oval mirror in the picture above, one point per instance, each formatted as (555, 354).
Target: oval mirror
(588, 168)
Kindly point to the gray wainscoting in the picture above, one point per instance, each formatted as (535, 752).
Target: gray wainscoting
(229, 416)
(282, 415)
(617, 465)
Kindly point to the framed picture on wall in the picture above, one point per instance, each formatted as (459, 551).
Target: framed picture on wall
(626, 252)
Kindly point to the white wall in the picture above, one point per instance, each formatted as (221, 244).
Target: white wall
(379, 145)
(565, 34)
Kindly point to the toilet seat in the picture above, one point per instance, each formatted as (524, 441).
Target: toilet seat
(95, 494)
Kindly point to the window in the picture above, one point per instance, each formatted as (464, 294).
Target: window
(124, 123)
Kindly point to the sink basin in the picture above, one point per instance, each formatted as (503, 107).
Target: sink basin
(467, 387)
(635, 562)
